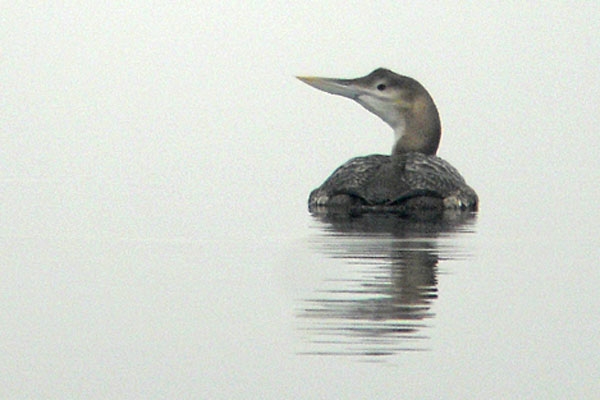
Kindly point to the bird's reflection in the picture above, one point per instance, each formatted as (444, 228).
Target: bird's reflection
(380, 305)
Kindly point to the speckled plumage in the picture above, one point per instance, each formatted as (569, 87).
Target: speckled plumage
(394, 183)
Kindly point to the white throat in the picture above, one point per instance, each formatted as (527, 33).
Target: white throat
(399, 131)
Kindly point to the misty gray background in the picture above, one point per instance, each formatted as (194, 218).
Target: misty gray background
(139, 136)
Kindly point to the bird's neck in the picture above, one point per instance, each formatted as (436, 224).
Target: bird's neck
(419, 130)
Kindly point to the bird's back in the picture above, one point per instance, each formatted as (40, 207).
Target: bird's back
(394, 183)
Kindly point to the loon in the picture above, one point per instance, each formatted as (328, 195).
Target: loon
(412, 178)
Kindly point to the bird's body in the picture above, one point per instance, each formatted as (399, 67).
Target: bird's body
(412, 178)
(399, 183)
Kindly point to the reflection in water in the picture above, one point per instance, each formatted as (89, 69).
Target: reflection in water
(380, 305)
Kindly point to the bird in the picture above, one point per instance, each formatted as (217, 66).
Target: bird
(410, 180)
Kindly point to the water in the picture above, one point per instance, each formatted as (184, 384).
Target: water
(379, 301)
(154, 238)
(374, 305)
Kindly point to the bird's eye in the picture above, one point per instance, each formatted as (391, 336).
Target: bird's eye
(381, 87)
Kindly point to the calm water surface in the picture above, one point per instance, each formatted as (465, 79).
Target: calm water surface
(380, 300)
(309, 308)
